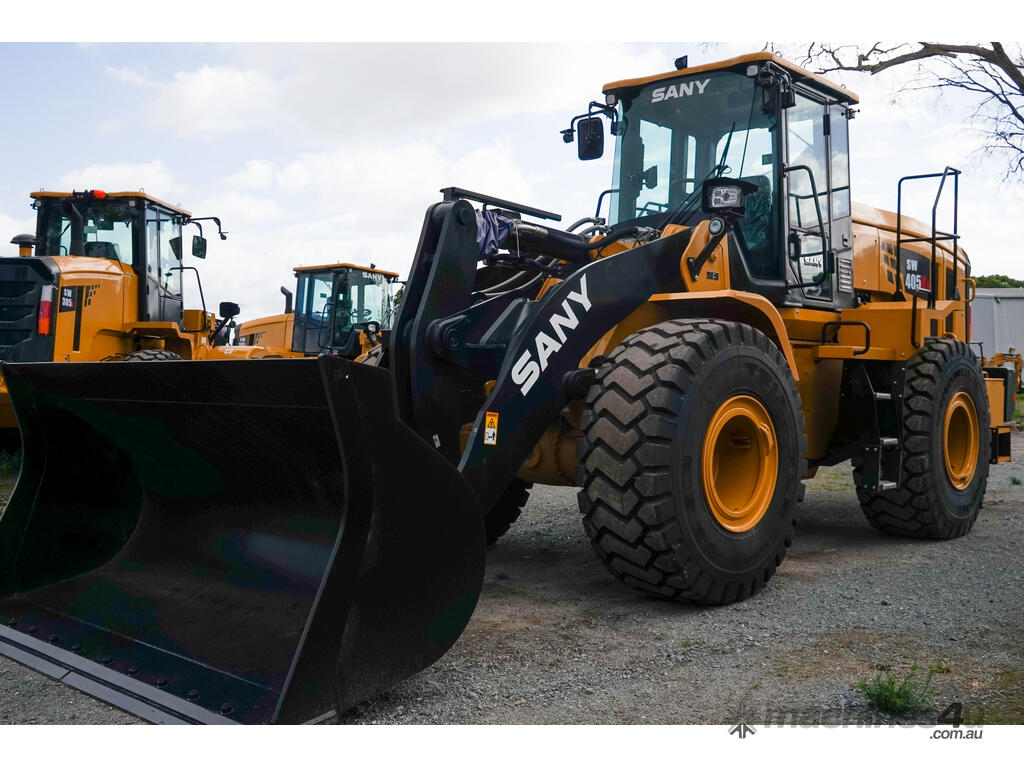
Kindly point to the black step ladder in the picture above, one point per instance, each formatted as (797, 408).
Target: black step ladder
(881, 439)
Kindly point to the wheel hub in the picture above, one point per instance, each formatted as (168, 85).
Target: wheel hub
(960, 440)
(739, 463)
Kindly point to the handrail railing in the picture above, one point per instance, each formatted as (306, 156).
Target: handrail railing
(936, 234)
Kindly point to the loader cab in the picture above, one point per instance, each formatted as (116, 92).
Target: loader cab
(131, 228)
(759, 120)
(333, 303)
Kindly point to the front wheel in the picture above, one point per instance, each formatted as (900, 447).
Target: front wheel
(692, 460)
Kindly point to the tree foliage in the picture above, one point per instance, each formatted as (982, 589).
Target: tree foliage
(992, 72)
(997, 281)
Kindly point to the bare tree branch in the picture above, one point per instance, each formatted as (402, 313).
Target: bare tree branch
(990, 71)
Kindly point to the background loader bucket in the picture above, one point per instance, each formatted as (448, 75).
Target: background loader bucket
(248, 541)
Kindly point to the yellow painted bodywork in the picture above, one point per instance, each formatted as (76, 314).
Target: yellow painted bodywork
(274, 332)
(817, 367)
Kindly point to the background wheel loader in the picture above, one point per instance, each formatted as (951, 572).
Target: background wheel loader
(287, 537)
(105, 283)
(342, 309)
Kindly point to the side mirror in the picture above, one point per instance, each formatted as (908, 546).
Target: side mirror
(198, 247)
(650, 177)
(228, 309)
(590, 138)
(176, 247)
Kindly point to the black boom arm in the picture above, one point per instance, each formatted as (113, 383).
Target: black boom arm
(449, 341)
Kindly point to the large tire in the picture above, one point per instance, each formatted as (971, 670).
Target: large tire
(506, 509)
(928, 504)
(151, 355)
(655, 401)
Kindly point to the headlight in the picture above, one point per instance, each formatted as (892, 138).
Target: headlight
(725, 197)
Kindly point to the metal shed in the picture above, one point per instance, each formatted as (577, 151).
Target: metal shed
(997, 319)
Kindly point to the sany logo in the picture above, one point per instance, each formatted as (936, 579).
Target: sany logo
(678, 90)
(527, 370)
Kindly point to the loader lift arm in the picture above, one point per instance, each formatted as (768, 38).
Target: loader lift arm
(447, 343)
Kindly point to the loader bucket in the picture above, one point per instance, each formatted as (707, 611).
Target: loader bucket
(230, 541)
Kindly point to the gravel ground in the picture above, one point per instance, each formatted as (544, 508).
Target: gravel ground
(556, 639)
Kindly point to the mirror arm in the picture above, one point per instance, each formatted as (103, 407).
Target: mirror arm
(568, 134)
(215, 220)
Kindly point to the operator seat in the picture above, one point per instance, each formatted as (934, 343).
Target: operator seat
(103, 250)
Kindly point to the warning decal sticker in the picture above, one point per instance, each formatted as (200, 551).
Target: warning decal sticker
(490, 428)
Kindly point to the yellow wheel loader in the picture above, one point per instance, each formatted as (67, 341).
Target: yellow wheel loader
(1011, 357)
(273, 540)
(105, 283)
(342, 309)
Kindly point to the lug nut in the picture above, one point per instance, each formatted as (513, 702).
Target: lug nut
(133, 670)
(192, 695)
(226, 709)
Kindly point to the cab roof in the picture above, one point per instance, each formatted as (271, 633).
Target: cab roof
(799, 74)
(322, 267)
(137, 194)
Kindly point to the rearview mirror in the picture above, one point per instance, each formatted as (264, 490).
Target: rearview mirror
(228, 309)
(650, 177)
(198, 247)
(176, 247)
(590, 138)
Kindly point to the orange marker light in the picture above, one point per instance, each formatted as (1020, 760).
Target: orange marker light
(45, 310)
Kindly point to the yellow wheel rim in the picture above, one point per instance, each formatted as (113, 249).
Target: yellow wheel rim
(739, 463)
(960, 440)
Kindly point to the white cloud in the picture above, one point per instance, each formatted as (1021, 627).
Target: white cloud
(215, 100)
(11, 226)
(129, 76)
(238, 208)
(257, 174)
(123, 177)
(375, 92)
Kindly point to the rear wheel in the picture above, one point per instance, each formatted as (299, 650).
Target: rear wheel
(149, 355)
(945, 448)
(692, 460)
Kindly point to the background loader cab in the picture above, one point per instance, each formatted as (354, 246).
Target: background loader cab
(106, 282)
(339, 309)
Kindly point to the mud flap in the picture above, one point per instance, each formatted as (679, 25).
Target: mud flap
(230, 541)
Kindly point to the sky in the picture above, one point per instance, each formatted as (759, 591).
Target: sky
(316, 153)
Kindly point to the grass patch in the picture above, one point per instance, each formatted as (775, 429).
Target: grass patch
(1015, 480)
(686, 643)
(897, 697)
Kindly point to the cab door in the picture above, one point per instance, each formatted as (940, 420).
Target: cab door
(817, 183)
